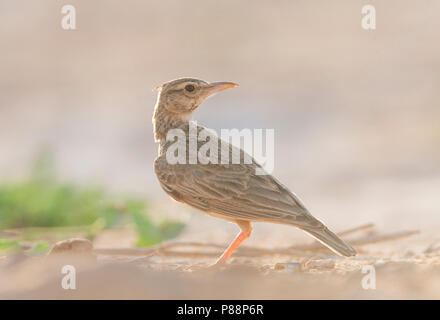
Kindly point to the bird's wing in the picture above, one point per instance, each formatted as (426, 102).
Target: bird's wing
(235, 192)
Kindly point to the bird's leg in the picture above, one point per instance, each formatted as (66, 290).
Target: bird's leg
(246, 230)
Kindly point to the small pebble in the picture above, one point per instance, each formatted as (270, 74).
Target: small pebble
(319, 264)
(288, 266)
(72, 246)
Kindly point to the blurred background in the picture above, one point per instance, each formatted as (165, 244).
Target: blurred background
(355, 112)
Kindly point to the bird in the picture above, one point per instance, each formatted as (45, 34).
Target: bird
(231, 191)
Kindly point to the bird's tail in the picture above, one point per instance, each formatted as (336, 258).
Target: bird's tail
(331, 240)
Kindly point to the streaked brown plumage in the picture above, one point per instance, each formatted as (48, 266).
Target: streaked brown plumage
(230, 191)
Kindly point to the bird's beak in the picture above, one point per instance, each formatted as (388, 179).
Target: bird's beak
(215, 87)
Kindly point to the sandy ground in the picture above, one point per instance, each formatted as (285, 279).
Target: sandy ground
(406, 267)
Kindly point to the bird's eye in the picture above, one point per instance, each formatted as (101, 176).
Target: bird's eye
(189, 88)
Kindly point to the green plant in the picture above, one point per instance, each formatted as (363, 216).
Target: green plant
(43, 205)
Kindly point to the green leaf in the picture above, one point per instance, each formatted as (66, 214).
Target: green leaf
(9, 246)
(40, 248)
(148, 234)
(170, 229)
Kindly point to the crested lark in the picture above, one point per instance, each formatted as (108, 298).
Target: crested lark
(229, 191)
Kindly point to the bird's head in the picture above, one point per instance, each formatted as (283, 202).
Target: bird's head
(182, 96)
